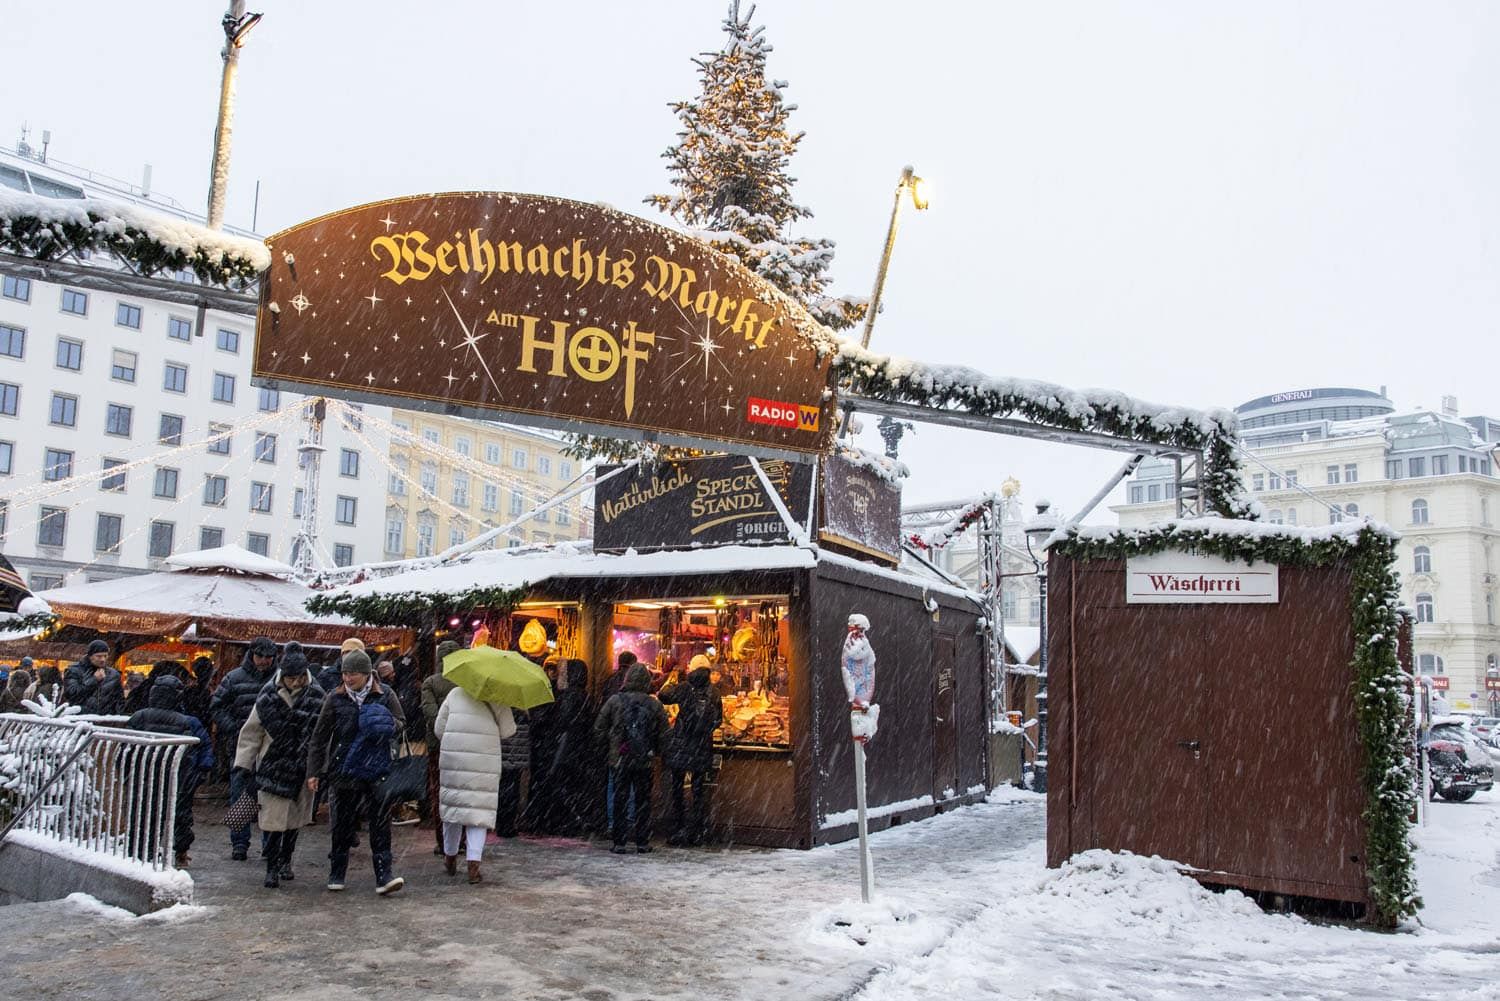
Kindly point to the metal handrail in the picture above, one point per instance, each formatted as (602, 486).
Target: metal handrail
(118, 799)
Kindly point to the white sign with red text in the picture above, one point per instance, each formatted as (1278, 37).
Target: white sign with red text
(1192, 579)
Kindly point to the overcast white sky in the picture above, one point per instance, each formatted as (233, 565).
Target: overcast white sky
(1194, 203)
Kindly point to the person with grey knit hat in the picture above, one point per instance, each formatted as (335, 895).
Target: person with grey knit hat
(351, 745)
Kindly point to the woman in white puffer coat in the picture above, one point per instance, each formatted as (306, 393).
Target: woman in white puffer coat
(470, 732)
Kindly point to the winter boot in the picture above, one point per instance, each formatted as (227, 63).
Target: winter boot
(284, 860)
(474, 876)
(183, 860)
(385, 883)
(450, 864)
(272, 852)
(338, 865)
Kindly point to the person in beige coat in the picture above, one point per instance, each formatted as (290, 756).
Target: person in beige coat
(273, 745)
(469, 773)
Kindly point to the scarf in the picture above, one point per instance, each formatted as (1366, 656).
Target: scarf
(361, 694)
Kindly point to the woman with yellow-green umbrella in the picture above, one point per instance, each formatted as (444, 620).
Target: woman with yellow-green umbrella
(470, 724)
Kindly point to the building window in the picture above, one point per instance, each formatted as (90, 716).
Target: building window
(426, 529)
(107, 534)
(127, 315)
(1137, 493)
(1335, 515)
(1333, 474)
(343, 510)
(517, 504)
(115, 482)
(174, 378)
(1416, 466)
(1424, 607)
(1291, 516)
(299, 496)
(169, 431)
(565, 470)
(492, 453)
(12, 341)
(7, 457)
(1393, 469)
(1489, 609)
(399, 472)
(455, 536)
(518, 458)
(1439, 465)
(15, 288)
(219, 439)
(117, 420)
(461, 446)
(179, 329)
(544, 465)
(1421, 559)
(228, 340)
(260, 496)
(348, 463)
(10, 399)
(431, 435)
(1273, 517)
(1419, 512)
(210, 538)
(1463, 464)
(1351, 473)
(166, 483)
(52, 528)
(1351, 510)
(540, 516)
(395, 530)
(352, 421)
(1429, 663)
(1153, 492)
(460, 489)
(429, 479)
(223, 387)
(74, 302)
(1291, 478)
(562, 515)
(122, 366)
(270, 399)
(512, 543)
(64, 410)
(265, 447)
(57, 464)
(215, 490)
(343, 554)
(1257, 481)
(258, 543)
(489, 497)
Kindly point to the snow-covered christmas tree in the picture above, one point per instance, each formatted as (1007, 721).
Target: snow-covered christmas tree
(729, 167)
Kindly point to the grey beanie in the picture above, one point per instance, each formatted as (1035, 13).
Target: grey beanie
(355, 661)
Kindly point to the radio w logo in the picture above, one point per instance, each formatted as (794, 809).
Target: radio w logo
(808, 418)
(783, 415)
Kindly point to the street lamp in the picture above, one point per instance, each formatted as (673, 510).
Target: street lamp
(1038, 529)
(237, 25)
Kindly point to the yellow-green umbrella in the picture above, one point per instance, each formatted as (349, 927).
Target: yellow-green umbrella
(500, 676)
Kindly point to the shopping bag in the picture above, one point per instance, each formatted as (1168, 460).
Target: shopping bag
(243, 811)
(405, 782)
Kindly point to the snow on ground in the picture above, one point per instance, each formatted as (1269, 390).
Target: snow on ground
(965, 909)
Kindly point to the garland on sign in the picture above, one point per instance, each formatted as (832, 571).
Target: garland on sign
(415, 609)
(951, 387)
(50, 228)
(1381, 689)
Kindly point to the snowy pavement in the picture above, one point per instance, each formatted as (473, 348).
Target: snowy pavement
(965, 909)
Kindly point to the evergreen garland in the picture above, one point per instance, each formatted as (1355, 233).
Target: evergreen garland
(49, 230)
(416, 609)
(1381, 689)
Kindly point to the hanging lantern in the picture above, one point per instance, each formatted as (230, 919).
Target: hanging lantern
(533, 638)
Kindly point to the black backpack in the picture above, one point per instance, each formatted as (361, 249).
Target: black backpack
(693, 727)
(635, 733)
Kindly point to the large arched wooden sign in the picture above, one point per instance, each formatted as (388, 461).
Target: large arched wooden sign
(543, 311)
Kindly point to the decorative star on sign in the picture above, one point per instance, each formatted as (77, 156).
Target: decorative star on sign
(373, 298)
(300, 302)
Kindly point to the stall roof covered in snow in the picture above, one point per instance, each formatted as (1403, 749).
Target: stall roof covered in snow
(231, 559)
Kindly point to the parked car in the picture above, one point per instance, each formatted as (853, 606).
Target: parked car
(1487, 729)
(1460, 765)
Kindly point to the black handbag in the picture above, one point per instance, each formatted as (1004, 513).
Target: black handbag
(406, 781)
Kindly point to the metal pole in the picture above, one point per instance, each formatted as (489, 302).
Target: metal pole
(866, 866)
(1039, 782)
(218, 178)
(885, 257)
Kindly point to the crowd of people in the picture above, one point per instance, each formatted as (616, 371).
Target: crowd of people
(294, 735)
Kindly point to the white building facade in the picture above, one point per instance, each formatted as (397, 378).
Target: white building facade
(129, 430)
(1428, 474)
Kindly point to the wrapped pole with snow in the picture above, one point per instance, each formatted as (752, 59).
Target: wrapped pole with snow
(858, 667)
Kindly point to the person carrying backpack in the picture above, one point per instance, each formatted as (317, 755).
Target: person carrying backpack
(351, 744)
(690, 748)
(164, 715)
(634, 727)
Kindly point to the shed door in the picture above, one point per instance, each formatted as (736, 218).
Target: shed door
(1140, 714)
(944, 723)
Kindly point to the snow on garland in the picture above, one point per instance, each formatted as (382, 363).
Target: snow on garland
(938, 536)
(1381, 689)
(956, 387)
(415, 609)
(893, 471)
(50, 228)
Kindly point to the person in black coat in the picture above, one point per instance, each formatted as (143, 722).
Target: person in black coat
(163, 715)
(690, 748)
(94, 686)
(196, 696)
(230, 707)
(571, 767)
